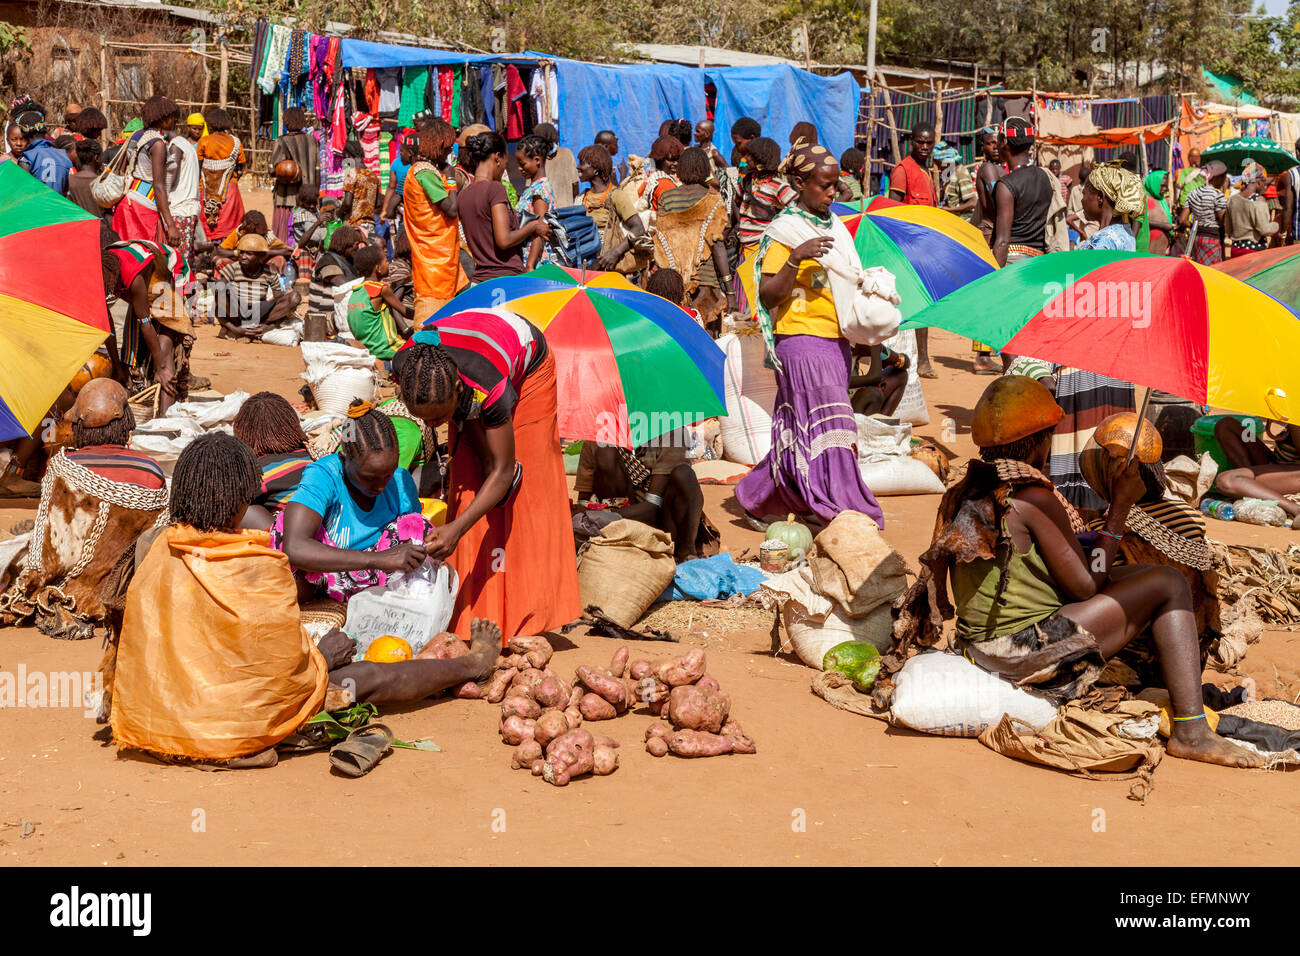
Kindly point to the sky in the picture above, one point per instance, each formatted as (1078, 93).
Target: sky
(1276, 7)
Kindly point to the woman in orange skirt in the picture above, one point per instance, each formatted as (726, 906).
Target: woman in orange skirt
(489, 374)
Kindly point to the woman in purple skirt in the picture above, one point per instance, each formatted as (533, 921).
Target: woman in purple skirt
(812, 469)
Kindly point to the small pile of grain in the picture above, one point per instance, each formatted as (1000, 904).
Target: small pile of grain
(685, 617)
(1268, 711)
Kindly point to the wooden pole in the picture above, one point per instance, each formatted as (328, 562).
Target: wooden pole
(889, 118)
(223, 82)
(807, 54)
(104, 94)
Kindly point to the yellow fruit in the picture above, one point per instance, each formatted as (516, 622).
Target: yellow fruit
(388, 650)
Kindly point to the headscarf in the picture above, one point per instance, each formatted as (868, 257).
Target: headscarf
(1251, 172)
(946, 154)
(1122, 188)
(1155, 186)
(806, 158)
(197, 119)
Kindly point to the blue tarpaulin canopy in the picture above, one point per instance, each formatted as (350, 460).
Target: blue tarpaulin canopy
(779, 96)
(634, 99)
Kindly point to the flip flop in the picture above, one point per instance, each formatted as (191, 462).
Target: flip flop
(358, 754)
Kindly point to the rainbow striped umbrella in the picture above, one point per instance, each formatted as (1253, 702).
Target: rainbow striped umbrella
(630, 366)
(930, 251)
(1164, 322)
(1275, 271)
(51, 297)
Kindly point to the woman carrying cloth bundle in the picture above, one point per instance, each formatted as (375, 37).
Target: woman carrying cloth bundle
(489, 375)
(1114, 198)
(1038, 599)
(143, 212)
(222, 156)
(810, 286)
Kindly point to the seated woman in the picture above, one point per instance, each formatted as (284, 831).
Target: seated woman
(1034, 606)
(689, 237)
(268, 425)
(101, 479)
(1255, 470)
(489, 375)
(880, 388)
(355, 516)
(253, 224)
(213, 662)
(656, 486)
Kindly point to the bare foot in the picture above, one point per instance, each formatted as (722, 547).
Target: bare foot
(925, 370)
(484, 647)
(1205, 745)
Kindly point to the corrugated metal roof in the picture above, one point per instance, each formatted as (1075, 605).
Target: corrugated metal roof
(713, 56)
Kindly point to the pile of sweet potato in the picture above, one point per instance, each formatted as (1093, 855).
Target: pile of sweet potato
(679, 689)
(541, 716)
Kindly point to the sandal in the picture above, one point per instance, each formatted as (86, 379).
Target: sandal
(358, 754)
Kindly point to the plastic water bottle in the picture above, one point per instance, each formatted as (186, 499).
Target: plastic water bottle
(1223, 510)
(1260, 512)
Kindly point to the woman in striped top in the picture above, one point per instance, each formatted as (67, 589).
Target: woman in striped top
(489, 375)
(763, 192)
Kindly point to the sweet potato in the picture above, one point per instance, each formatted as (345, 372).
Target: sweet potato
(657, 729)
(657, 746)
(693, 708)
(607, 687)
(549, 726)
(575, 695)
(469, 691)
(527, 680)
(523, 756)
(515, 730)
(740, 741)
(513, 660)
(697, 743)
(708, 683)
(639, 669)
(574, 716)
(552, 692)
(687, 669)
(600, 740)
(537, 766)
(494, 691)
(618, 664)
(650, 690)
(595, 707)
(604, 760)
(569, 755)
(444, 647)
(523, 706)
(537, 649)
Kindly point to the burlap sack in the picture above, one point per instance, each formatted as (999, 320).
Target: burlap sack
(624, 569)
(1083, 740)
(854, 566)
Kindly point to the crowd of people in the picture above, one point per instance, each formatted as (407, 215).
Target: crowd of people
(464, 207)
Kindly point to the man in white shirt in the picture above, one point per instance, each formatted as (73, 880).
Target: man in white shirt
(183, 183)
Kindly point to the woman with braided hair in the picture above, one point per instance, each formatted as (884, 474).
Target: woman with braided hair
(355, 517)
(489, 375)
(268, 425)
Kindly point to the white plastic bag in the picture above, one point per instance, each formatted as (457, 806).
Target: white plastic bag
(813, 624)
(946, 694)
(288, 334)
(874, 315)
(337, 374)
(911, 408)
(749, 390)
(413, 606)
(209, 414)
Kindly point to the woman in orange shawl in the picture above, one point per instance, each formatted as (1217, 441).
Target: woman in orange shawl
(222, 160)
(489, 374)
(429, 210)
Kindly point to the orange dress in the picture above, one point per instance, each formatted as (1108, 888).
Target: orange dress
(435, 241)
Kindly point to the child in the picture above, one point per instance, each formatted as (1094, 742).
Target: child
(253, 224)
(311, 227)
(852, 163)
(667, 284)
(371, 307)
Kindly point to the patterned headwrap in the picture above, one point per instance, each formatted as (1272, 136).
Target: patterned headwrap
(805, 158)
(946, 154)
(1122, 187)
(1251, 172)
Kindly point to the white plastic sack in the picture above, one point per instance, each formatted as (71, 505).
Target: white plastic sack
(209, 414)
(885, 463)
(911, 408)
(163, 439)
(946, 694)
(874, 315)
(749, 391)
(413, 606)
(813, 625)
(290, 334)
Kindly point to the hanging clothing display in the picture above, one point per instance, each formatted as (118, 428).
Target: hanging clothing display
(515, 93)
(366, 127)
(445, 81)
(390, 89)
(415, 79)
(277, 50)
(486, 99)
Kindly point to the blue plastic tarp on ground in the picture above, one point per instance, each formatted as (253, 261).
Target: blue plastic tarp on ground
(708, 578)
(631, 100)
(780, 96)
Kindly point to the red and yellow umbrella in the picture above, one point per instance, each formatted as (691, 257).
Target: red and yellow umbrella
(1167, 323)
(51, 297)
